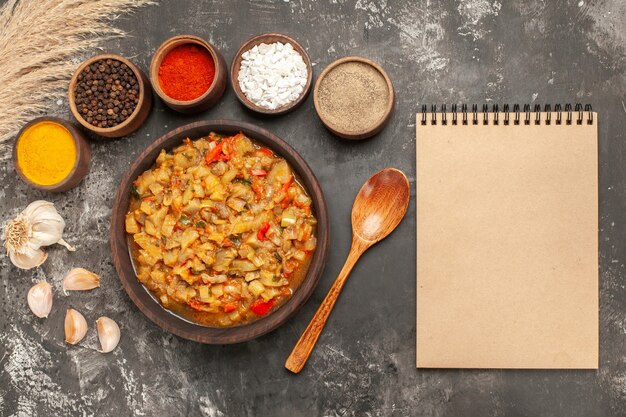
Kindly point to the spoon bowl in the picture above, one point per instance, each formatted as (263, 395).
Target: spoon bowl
(380, 205)
(378, 208)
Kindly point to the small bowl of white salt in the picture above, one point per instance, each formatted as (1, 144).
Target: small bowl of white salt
(271, 74)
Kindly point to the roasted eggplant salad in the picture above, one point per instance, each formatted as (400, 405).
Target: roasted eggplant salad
(221, 232)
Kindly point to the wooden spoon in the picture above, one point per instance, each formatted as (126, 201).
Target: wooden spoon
(378, 208)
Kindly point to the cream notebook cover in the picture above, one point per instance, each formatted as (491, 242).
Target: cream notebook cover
(507, 240)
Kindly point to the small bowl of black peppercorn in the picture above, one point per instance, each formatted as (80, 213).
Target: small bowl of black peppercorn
(110, 96)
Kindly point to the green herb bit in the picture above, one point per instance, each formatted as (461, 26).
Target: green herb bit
(275, 278)
(278, 258)
(184, 220)
(243, 181)
(201, 224)
(134, 191)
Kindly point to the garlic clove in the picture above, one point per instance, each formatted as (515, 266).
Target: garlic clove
(108, 333)
(80, 279)
(40, 299)
(29, 260)
(45, 233)
(67, 245)
(43, 211)
(75, 326)
(36, 207)
(49, 232)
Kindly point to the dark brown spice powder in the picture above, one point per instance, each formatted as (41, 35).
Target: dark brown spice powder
(353, 97)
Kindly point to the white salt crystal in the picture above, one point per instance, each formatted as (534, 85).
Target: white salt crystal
(272, 75)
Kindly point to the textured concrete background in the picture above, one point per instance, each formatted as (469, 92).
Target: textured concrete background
(436, 51)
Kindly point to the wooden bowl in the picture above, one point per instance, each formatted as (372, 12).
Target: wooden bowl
(211, 97)
(367, 131)
(135, 120)
(268, 38)
(142, 297)
(81, 164)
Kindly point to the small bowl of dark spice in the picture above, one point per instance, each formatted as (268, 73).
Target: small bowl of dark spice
(110, 96)
(188, 74)
(354, 98)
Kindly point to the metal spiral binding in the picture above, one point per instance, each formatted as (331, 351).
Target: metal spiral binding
(566, 114)
(527, 111)
(516, 111)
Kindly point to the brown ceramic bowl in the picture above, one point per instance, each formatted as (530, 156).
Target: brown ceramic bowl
(268, 38)
(366, 131)
(81, 165)
(135, 120)
(207, 100)
(143, 298)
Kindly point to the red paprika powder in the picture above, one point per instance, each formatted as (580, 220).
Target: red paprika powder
(186, 72)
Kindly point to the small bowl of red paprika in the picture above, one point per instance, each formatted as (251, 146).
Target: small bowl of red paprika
(188, 74)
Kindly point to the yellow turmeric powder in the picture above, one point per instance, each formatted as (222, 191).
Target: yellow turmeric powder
(46, 153)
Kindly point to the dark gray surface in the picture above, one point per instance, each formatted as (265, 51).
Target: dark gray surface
(364, 364)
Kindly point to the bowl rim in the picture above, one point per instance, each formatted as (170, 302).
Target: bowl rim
(364, 133)
(79, 142)
(236, 64)
(72, 100)
(144, 300)
(162, 52)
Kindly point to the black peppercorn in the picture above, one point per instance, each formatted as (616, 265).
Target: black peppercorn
(106, 93)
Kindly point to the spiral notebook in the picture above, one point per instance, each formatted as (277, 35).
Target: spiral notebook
(507, 238)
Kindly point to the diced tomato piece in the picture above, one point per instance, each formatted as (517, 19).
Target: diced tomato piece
(266, 152)
(196, 305)
(258, 172)
(227, 146)
(287, 184)
(214, 154)
(260, 307)
(229, 307)
(258, 190)
(262, 231)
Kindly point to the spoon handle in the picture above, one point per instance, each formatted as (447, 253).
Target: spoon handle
(302, 350)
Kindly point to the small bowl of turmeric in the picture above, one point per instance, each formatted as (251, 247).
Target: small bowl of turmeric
(51, 154)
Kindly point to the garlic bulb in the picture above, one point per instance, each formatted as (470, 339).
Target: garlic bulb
(79, 279)
(38, 225)
(75, 326)
(108, 333)
(40, 299)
